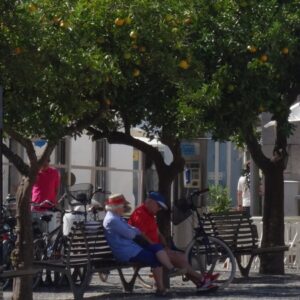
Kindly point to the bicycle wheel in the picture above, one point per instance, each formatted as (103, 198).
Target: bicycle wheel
(8, 247)
(38, 254)
(57, 278)
(212, 255)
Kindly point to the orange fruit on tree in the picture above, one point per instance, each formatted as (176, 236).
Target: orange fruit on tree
(133, 35)
(63, 24)
(136, 72)
(142, 49)
(18, 51)
(119, 22)
(32, 7)
(285, 50)
(251, 49)
(107, 101)
(187, 21)
(263, 58)
(56, 20)
(183, 64)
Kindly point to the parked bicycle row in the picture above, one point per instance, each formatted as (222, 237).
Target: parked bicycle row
(50, 224)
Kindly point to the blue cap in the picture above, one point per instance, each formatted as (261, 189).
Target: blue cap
(159, 198)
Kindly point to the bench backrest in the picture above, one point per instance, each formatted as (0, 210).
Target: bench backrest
(235, 228)
(87, 242)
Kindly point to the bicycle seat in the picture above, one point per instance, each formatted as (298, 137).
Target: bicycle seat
(46, 218)
(10, 221)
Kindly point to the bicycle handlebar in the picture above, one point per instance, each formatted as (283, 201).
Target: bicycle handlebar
(41, 204)
(83, 198)
(199, 192)
(101, 191)
(46, 205)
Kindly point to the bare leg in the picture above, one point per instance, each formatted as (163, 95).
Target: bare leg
(158, 277)
(164, 259)
(179, 260)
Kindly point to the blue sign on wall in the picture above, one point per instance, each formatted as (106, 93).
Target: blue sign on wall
(188, 149)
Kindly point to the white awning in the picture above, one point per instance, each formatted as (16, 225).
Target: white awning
(295, 113)
(293, 117)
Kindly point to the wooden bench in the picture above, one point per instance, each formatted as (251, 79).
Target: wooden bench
(9, 274)
(86, 252)
(240, 233)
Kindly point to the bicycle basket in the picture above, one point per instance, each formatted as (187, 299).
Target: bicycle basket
(80, 194)
(181, 212)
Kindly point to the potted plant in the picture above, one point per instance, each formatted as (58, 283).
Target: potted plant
(219, 200)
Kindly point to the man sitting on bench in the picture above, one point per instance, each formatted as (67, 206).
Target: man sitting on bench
(144, 219)
(128, 244)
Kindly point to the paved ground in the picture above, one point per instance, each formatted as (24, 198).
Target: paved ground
(257, 286)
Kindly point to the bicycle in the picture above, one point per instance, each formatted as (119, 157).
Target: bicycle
(10, 237)
(206, 253)
(81, 194)
(49, 245)
(8, 243)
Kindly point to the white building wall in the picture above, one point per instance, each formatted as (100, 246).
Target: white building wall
(292, 171)
(120, 180)
(82, 158)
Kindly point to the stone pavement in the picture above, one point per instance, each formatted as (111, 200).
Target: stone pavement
(256, 286)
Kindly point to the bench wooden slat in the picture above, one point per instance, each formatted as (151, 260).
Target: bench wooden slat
(17, 273)
(240, 233)
(86, 248)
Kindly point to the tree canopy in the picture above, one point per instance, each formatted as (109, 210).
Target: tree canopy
(250, 51)
(149, 43)
(51, 78)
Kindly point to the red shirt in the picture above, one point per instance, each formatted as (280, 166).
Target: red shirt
(145, 222)
(46, 186)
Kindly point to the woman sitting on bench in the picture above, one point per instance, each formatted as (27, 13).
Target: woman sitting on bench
(128, 244)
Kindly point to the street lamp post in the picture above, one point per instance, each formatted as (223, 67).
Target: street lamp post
(1, 179)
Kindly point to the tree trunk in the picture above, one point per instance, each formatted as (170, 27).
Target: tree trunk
(273, 221)
(23, 253)
(164, 216)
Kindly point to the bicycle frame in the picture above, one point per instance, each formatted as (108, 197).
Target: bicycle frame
(199, 233)
(206, 252)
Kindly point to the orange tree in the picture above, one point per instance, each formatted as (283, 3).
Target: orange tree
(150, 42)
(51, 82)
(250, 51)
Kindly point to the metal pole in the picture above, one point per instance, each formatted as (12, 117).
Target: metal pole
(254, 188)
(217, 164)
(1, 179)
(228, 167)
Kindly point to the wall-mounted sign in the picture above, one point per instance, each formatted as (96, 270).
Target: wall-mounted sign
(190, 149)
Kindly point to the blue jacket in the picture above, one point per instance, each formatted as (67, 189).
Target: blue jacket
(120, 237)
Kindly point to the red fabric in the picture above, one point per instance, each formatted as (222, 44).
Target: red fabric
(46, 187)
(145, 222)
